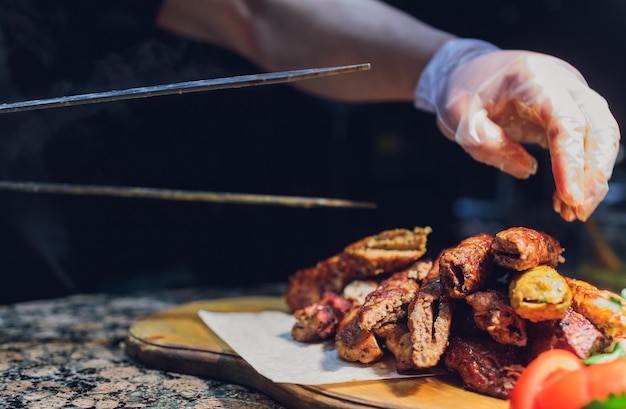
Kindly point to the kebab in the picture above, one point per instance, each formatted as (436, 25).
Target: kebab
(481, 295)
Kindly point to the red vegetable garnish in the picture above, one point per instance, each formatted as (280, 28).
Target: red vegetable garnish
(553, 363)
(578, 388)
(559, 379)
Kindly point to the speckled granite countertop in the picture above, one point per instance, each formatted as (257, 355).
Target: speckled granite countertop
(68, 353)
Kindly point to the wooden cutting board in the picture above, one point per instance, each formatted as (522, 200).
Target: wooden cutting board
(177, 340)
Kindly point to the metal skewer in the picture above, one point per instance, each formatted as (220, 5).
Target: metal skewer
(182, 87)
(180, 195)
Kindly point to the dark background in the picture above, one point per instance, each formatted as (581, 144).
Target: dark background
(269, 140)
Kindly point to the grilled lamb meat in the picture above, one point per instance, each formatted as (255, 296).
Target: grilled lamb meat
(398, 341)
(467, 267)
(314, 323)
(354, 344)
(308, 285)
(433, 273)
(318, 321)
(464, 324)
(573, 332)
(387, 252)
(485, 365)
(358, 290)
(389, 302)
(520, 248)
(429, 321)
(493, 313)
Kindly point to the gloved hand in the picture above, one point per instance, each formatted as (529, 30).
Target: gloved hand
(492, 101)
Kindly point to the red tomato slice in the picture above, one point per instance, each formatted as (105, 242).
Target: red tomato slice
(606, 378)
(554, 362)
(568, 391)
(578, 388)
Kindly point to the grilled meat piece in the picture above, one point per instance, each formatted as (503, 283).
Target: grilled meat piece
(397, 340)
(429, 321)
(307, 285)
(423, 269)
(467, 267)
(386, 252)
(604, 308)
(431, 274)
(314, 323)
(354, 344)
(520, 248)
(357, 290)
(539, 294)
(573, 332)
(464, 324)
(318, 321)
(485, 365)
(389, 302)
(493, 313)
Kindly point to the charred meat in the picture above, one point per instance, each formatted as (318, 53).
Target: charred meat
(486, 366)
(386, 252)
(493, 313)
(521, 248)
(397, 340)
(318, 321)
(573, 332)
(389, 302)
(467, 267)
(429, 321)
(354, 344)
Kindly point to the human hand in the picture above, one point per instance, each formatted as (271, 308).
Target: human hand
(493, 101)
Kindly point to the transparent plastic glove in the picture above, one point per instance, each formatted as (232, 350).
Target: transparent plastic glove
(492, 102)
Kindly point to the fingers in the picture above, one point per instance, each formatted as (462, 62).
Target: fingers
(502, 100)
(566, 212)
(583, 139)
(601, 150)
(584, 142)
(566, 128)
(486, 142)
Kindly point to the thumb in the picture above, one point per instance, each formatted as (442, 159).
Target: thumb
(487, 142)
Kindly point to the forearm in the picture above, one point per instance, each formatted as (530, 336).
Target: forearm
(292, 34)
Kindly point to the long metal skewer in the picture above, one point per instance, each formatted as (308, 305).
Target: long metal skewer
(180, 195)
(182, 87)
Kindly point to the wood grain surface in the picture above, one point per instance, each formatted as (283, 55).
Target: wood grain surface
(177, 340)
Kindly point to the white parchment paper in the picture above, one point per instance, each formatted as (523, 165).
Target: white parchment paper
(264, 341)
